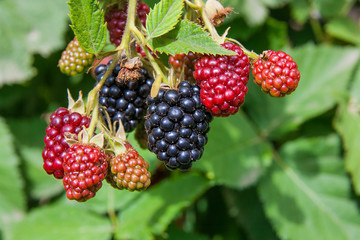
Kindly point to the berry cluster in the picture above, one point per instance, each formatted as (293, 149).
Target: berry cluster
(116, 21)
(177, 124)
(276, 73)
(74, 59)
(122, 99)
(223, 80)
(179, 107)
(61, 121)
(85, 167)
(129, 171)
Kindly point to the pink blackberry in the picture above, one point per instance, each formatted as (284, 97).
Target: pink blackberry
(61, 121)
(116, 21)
(223, 80)
(276, 73)
(85, 167)
(186, 61)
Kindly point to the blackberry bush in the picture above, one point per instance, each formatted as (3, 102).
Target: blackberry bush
(177, 124)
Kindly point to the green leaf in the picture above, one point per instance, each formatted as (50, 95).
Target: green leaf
(88, 24)
(175, 233)
(329, 9)
(47, 28)
(24, 30)
(274, 3)
(12, 199)
(187, 37)
(324, 77)
(306, 194)
(29, 134)
(163, 17)
(300, 10)
(253, 218)
(159, 205)
(347, 123)
(61, 222)
(235, 155)
(344, 28)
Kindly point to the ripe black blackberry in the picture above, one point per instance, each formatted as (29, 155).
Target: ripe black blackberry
(177, 124)
(122, 99)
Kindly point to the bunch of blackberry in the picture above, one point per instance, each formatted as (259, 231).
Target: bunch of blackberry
(177, 125)
(125, 100)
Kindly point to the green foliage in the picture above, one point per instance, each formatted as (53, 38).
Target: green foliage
(60, 222)
(88, 24)
(297, 195)
(12, 200)
(24, 32)
(237, 157)
(163, 17)
(187, 37)
(281, 169)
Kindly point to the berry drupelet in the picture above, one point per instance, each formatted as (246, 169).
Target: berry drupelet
(85, 167)
(125, 100)
(129, 171)
(61, 121)
(276, 73)
(74, 59)
(177, 124)
(223, 80)
(184, 61)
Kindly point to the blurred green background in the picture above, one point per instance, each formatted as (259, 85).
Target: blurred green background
(285, 168)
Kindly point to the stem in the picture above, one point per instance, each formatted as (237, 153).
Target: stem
(250, 54)
(316, 27)
(130, 24)
(140, 38)
(94, 119)
(209, 26)
(193, 6)
(111, 210)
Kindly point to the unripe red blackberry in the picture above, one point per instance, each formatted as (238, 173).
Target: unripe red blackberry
(116, 21)
(85, 167)
(223, 80)
(122, 99)
(61, 121)
(186, 61)
(129, 171)
(177, 124)
(74, 59)
(276, 73)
